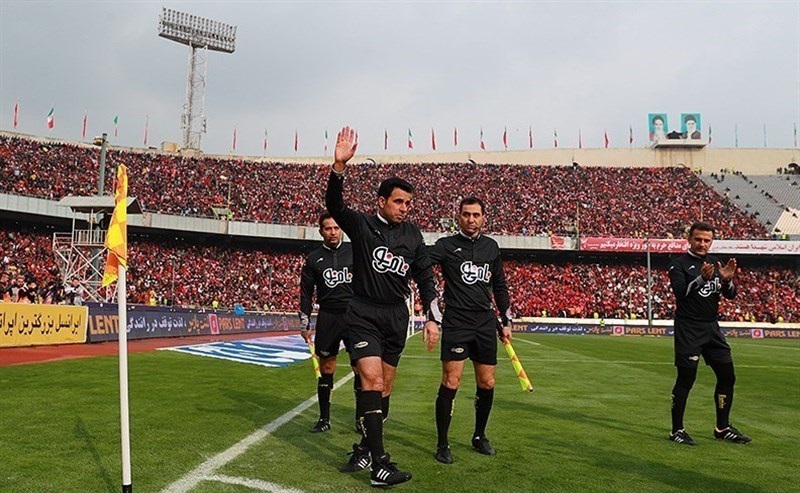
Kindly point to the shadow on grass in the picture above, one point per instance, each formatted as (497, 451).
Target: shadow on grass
(83, 434)
(686, 479)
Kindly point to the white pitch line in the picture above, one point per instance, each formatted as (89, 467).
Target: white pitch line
(206, 470)
(527, 342)
(254, 484)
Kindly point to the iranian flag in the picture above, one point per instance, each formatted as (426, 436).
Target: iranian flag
(410, 139)
(116, 126)
(51, 119)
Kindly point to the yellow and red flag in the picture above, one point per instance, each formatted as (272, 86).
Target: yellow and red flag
(117, 235)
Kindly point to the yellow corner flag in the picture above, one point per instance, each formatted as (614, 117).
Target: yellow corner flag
(117, 235)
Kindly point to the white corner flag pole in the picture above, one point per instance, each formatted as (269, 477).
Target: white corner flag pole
(122, 308)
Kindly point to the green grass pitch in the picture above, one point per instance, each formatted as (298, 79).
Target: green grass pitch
(597, 422)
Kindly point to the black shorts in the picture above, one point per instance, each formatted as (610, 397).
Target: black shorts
(470, 335)
(330, 331)
(377, 330)
(695, 339)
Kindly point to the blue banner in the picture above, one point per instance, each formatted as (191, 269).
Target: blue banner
(145, 322)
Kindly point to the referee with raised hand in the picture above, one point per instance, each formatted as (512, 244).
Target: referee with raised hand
(698, 280)
(473, 274)
(387, 251)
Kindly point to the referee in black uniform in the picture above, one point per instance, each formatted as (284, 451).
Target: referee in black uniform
(387, 251)
(698, 279)
(329, 270)
(473, 275)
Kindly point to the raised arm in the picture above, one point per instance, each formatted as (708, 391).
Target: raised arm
(346, 145)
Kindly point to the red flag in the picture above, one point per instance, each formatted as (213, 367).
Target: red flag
(385, 139)
(580, 140)
(234, 138)
(555, 138)
(483, 144)
(85, 117)
(16, 114)
(295, 141)
(433, 140)
(605, 139)
(266, 140)
(455, 137)
(146, 127)
(505, 138)
(530, 137)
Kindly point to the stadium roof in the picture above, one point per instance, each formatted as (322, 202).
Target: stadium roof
(103, 203)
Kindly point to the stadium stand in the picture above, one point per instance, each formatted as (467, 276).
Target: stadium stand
(773, 199)
(535, 200)
(210, 273)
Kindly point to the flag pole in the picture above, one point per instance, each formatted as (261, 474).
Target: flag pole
(123, 380)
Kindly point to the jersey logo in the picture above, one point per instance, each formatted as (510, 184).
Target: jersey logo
(385, 261)
(335, 277)
(710, 287)
(471, 273)
(457, 250)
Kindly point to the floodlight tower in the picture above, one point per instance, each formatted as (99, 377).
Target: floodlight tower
(201, 35)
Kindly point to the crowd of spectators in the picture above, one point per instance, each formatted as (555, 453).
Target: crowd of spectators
(522, 199)
(197, 274)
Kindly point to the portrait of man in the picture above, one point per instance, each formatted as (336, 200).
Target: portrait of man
(690, 125)
(657, 123)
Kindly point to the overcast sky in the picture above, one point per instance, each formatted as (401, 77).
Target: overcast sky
(311, 66)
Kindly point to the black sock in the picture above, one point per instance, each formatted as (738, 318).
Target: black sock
(324, 386)
(356, 390)
(445, 401)
(680, 394)
(483, 406)
(723, 393)
(385, 407)
(373, 422)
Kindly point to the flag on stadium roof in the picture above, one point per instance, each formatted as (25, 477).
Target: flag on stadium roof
(433, 139)
(505, 138)
(455, 136)
(16, 114)
(51, 119)
(530, 137)
(116, 126)
(85, 119)
(483, 144)
(117, 235)
(605, 139)
(385, 139)
(325, 148)
(410, 139)
(555, 138)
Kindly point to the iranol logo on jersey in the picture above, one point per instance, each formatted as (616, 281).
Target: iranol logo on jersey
(385, 261)
(471, 273)
(710, 287)
(334, 277)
